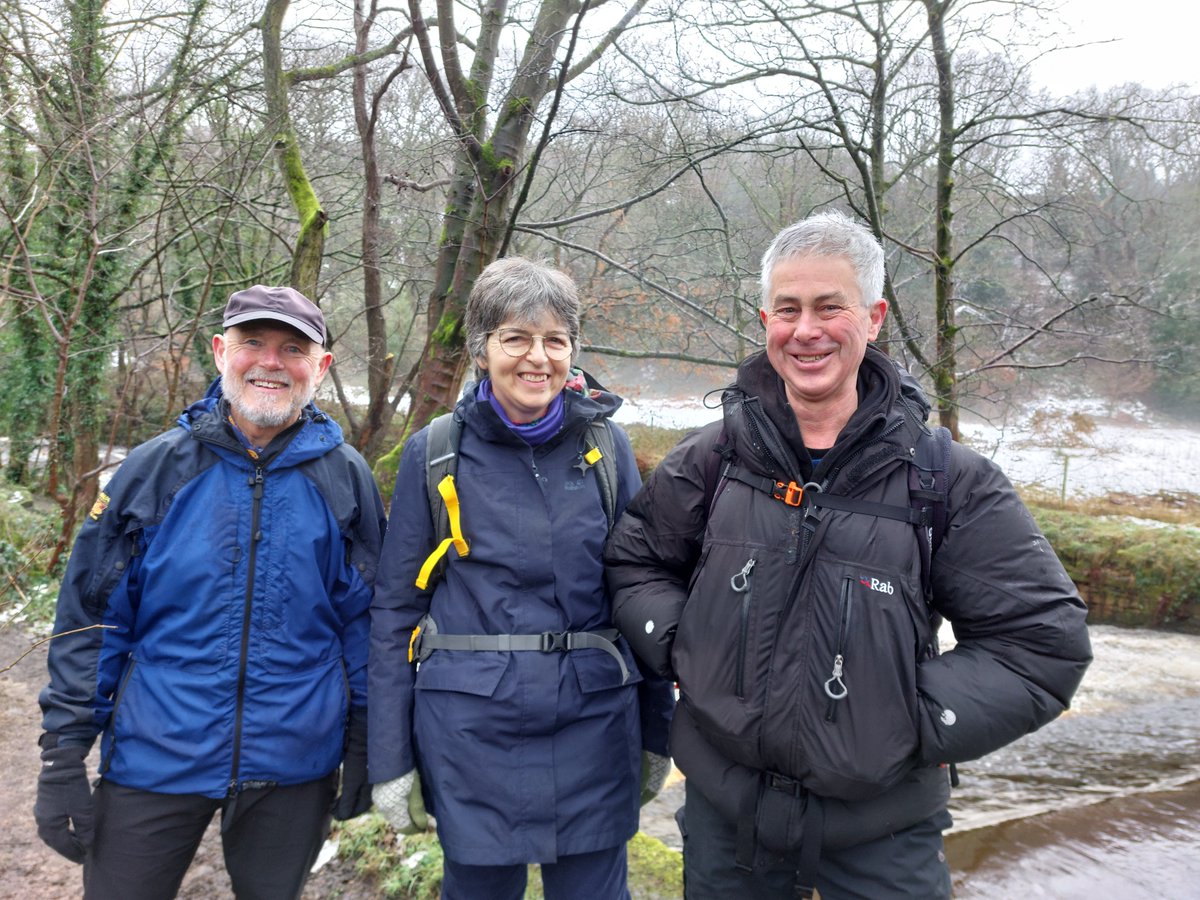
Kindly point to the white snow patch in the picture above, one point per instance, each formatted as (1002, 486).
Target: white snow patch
(1078, 446)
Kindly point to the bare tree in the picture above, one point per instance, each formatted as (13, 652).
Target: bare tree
(492, 122)
(916, 114)
(310, 241)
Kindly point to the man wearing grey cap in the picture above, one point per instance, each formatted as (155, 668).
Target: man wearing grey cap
(213, 631)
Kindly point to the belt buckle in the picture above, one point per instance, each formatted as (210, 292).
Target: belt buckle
(782, 783)
(553, 641)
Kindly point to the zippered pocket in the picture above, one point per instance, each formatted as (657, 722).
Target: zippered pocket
(741, 585)
(855, 705)
(835, 687)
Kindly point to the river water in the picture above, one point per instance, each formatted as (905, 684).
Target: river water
(1105, 797)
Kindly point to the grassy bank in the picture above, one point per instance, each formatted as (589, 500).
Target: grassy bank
(1131, 569)
(410, 867)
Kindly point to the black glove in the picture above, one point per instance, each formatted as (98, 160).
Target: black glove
(355, 798)
(64, 798)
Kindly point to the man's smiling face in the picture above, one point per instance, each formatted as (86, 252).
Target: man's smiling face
(269, 372)
(817, 330)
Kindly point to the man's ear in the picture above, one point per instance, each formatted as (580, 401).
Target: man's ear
(218, 351)
(762, 317)
(323, 364)
(877, 311)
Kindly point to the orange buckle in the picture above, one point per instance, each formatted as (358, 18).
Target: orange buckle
(790, 493)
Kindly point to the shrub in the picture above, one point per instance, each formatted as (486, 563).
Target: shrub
(27, 535)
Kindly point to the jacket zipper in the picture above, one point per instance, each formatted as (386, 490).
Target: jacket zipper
(256, 485)
(740, 583)
(835, 687)
(106, 763)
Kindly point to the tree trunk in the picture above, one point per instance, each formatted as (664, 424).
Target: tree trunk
(481, 195)
(310, 241)
(945, 366)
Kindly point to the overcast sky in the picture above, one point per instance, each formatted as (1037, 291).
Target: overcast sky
(1153, 42)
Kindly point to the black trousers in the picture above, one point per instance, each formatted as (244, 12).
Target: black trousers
(907, 865)
(145, 841)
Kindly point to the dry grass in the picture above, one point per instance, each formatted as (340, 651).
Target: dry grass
(1172, 508)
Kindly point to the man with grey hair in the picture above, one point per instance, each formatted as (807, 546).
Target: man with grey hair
(789, 567)
(212, 631)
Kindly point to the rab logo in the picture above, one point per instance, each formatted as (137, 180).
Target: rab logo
(883, 587)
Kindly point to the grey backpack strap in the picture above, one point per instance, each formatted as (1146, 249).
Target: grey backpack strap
(441, 459)
(428, 639)
(599, 437)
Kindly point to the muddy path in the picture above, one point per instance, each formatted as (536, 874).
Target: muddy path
(29, 870)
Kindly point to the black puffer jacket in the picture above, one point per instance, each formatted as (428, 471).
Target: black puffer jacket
(800, 637)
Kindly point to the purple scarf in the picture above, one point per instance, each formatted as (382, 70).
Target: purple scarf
(534, 433)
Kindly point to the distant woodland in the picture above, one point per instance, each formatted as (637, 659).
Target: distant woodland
(158, 155)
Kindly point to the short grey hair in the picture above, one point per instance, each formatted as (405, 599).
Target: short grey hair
(522, 290)
(829, 233)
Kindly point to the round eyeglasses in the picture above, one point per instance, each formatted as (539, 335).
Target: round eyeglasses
(517, 343)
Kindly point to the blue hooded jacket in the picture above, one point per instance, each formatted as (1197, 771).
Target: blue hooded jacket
(224, 600)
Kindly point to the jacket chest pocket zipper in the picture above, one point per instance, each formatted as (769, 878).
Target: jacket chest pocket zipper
(835, 686)
(741, 584)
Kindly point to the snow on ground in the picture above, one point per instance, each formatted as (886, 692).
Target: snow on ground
(1097, 446)
(1132, 459)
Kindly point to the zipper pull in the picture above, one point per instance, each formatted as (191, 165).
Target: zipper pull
(257, 483)
(838, 691)
(835, 689)
(741, 581)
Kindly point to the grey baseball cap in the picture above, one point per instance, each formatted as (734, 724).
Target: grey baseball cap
(280, 304)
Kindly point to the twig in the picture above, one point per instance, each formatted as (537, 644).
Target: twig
(38, 643)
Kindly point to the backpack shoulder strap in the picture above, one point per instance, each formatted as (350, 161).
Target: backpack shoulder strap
(928, 479)
(716, 470)
(928, 487)
(600, 441)
(441, 459)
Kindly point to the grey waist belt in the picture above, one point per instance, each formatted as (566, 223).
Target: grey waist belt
(546, 642)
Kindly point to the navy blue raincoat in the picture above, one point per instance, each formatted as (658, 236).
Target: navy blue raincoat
(524, 756)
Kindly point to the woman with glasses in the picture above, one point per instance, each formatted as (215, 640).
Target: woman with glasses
(522, 719)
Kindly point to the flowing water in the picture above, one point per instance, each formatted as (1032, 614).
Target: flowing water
(1105, 797)
(1133, 727)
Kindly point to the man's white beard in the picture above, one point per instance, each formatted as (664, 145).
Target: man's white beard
(266, 414)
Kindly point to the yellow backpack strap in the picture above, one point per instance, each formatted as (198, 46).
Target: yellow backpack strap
(450, 496)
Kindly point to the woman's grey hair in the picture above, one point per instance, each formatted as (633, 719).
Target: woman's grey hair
(516, 289)
(829, 233)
